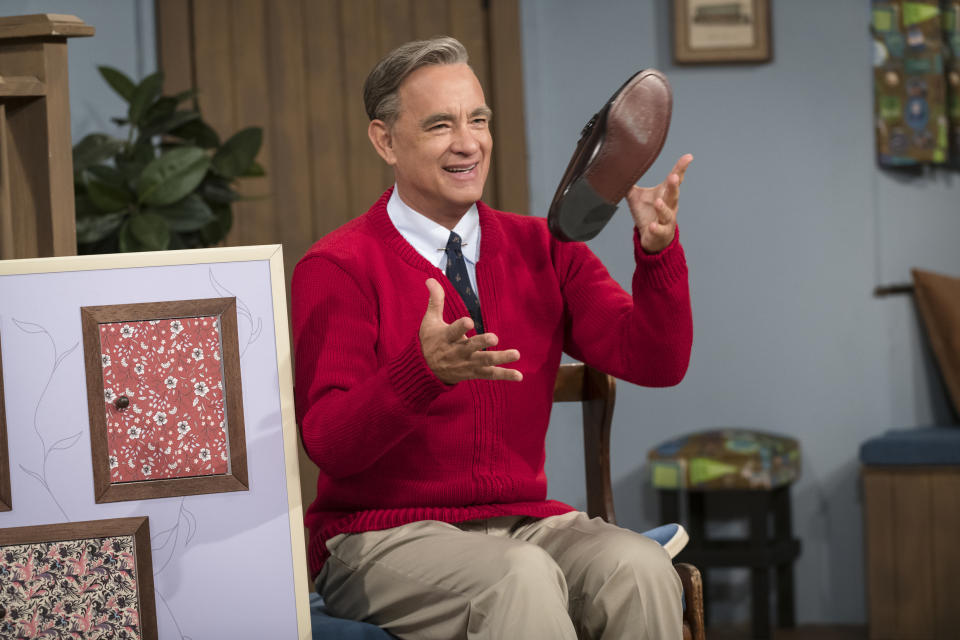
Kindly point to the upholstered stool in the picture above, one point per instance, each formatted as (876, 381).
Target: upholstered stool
(735, 473)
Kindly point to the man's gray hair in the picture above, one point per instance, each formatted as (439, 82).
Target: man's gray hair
(380, 90)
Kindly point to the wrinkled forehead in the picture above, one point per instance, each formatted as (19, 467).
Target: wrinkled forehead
(448, 88)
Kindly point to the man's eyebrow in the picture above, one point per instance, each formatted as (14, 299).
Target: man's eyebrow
(434, 118)
(484, 111)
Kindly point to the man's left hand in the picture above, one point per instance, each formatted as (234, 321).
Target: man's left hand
(654, 209)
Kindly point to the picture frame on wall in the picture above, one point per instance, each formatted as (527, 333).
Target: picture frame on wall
(6, 500)
(195, 315)
(79, 579)
(165, 399)
(721, 31)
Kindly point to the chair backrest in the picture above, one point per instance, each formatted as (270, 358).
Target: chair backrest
(598, 393)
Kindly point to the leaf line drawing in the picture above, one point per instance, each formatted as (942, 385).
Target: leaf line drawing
(243, 311)
(63, 443)
(166, 541)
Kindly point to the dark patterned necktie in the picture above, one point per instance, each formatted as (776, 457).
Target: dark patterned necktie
(457, 274)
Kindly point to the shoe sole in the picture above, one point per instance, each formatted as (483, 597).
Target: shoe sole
(634, 125)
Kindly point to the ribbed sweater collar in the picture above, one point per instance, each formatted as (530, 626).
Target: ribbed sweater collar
(491, 234)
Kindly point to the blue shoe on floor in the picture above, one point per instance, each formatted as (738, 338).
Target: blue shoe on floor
(671, 537)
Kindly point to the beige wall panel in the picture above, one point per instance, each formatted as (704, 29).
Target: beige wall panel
(360, 52)
(254, 219)
(510, 148)
(431, 18)
(212, 64)
(174, 22)
(290, 157)
(326, 131)
(395, 26)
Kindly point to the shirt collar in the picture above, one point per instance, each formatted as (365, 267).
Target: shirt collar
(428, 237)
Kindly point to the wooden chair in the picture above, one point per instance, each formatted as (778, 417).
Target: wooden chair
(597, 391)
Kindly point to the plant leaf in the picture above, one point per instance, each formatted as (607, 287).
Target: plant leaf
(172, 176)
(168, 123)
(199, 133)
(106, 174)
(237, 154)
(183, 95)
(218, 191)
(151, 231)
(190, 214)
(143, 96)
(255, 170)
(107, 197)
(216, 231)
(118, 81)
(94, 228)
(94, 149)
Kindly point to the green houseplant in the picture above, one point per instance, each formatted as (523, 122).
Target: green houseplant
(168, 185)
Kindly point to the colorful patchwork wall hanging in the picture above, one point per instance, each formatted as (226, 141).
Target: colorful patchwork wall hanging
(909, 83)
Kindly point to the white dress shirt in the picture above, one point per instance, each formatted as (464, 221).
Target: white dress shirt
(430, 238)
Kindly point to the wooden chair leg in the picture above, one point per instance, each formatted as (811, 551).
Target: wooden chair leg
(693, 594)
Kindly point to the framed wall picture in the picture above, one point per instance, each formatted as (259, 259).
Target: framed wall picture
(717, 31)
(90, 579)
(6, 501)
(165, 398)
(209, 318)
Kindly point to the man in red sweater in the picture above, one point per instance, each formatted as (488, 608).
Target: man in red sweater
(428, 333)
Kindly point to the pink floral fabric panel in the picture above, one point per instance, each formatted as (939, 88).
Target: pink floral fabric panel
(73, 589)
(170, 372)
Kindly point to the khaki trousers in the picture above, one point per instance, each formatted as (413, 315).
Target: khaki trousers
(505, 578)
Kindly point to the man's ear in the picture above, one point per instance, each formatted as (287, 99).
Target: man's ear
(382, 139)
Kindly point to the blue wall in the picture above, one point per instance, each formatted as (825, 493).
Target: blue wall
(788, 226)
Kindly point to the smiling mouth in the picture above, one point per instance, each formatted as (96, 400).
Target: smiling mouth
(461, 169)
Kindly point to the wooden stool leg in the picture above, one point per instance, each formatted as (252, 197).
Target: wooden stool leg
(760, 576)
(783, 530)
(669, 506)
(696, 519)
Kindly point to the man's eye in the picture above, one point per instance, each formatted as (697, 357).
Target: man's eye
(481, 121)
(438, 127)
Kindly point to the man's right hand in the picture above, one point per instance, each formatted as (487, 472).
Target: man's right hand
(451, 355)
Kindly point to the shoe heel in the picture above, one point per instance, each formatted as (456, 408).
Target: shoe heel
(583, 213)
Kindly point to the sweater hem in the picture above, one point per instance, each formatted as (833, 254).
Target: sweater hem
(389, 518)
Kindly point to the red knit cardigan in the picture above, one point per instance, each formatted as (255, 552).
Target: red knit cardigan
(394, 444)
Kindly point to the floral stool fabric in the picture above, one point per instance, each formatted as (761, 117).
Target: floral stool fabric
(725, 459)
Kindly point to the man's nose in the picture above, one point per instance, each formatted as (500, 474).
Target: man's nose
(464, 140)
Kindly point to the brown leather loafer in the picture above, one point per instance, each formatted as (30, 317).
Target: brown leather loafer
(615, 149)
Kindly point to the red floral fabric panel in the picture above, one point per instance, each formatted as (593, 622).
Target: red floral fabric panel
(170, 371)
(73, 589)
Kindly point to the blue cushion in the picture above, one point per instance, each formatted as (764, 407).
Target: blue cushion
(923, 446)
(326, 627)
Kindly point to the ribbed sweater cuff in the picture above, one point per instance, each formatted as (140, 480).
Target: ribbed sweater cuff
(660, 270)
(413, 380)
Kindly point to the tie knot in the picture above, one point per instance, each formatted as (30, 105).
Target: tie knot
(454, 241)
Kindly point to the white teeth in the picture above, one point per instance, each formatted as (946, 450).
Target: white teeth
(470, 168)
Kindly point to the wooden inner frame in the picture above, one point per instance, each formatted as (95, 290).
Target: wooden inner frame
(138, 528)
(6, 500)
(236, 478)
